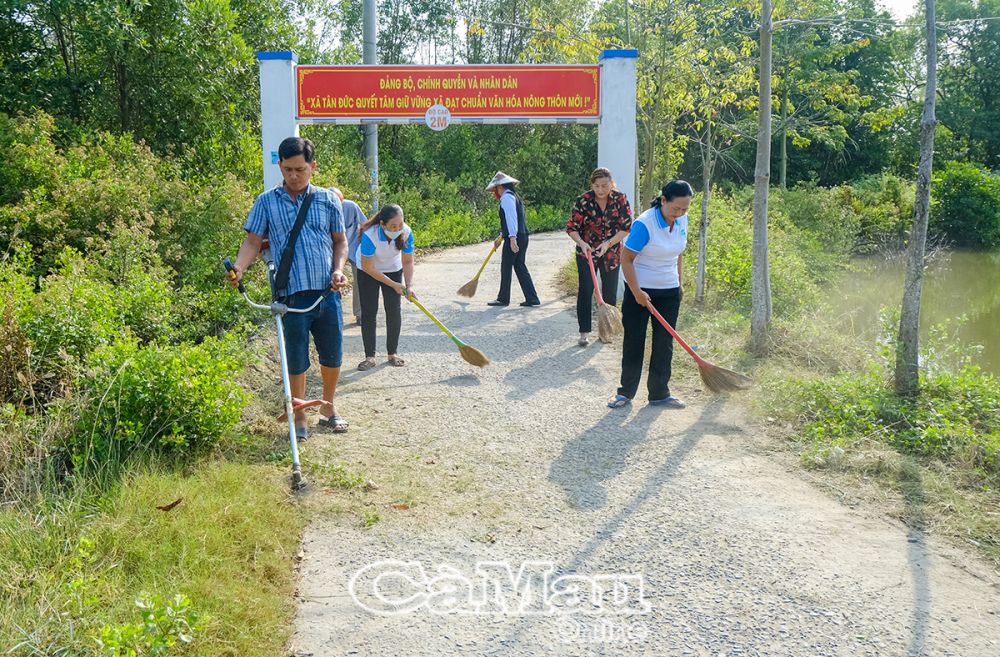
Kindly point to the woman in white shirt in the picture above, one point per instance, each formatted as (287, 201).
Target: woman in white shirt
(652, 267)
(386, 254)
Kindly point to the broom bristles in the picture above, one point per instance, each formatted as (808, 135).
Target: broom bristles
(609, 322)
(473, 356)
(469, 289)
(719, 379)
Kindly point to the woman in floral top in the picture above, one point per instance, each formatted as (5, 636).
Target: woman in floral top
(601, 219)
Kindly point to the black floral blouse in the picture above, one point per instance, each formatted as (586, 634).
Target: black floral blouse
(596, 226)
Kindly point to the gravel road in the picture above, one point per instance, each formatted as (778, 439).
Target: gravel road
(695, 540)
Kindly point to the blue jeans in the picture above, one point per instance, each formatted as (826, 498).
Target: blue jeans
(325, 322)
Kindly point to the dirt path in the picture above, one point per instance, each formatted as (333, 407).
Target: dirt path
(521, 462)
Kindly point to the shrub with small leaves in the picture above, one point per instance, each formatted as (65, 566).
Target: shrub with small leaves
(176, 400)
(161, 629)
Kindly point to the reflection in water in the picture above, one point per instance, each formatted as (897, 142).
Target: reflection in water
(956, 283)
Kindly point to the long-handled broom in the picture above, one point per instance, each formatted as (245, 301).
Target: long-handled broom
(609, 318)
(469, 353)
(469, 289)
(715, 378)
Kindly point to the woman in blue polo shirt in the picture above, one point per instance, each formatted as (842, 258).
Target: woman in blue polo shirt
(652, 267)
(386, 254)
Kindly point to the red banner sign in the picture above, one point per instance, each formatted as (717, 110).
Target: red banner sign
(469, 92)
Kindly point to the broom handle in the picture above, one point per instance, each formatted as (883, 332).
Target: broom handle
(413, 300)
(670, 329)
(483, 266)
(593, 275)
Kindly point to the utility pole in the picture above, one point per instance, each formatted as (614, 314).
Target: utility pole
(370, 58)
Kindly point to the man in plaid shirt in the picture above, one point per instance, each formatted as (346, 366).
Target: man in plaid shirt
(317, 271)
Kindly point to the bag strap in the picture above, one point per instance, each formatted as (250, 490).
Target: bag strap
(285, 264)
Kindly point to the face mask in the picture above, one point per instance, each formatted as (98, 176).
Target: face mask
(392, 234)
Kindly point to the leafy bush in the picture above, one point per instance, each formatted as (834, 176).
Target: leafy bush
(78, 196)
(957, 415)
(884, 205)
(728, 260)
(826, 224)
(162, 625)
(172, 400)
(966, 204)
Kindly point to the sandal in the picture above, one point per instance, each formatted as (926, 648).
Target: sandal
(669, 402)
(366, 364)
(396, 361)
(301, 433)
(619, 401)
(584, 340)
(335, 422)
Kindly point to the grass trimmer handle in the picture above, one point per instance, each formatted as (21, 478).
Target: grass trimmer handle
(231, 272)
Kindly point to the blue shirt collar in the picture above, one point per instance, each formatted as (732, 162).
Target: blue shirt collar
(382, 236)
(280, 190)
(660, 219)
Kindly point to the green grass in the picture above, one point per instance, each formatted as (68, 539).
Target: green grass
(71, 566)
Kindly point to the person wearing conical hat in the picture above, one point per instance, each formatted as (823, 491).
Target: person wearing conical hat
(514, 235)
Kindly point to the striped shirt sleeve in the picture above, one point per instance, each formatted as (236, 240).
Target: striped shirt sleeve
(257, 219)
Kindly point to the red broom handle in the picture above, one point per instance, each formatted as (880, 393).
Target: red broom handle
(593, 275)
(652, 311)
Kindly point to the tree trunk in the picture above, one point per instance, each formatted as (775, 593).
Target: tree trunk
(783, 171)
(122, 87)
(646, 188)
(907, 375)
(706, 182)
(760, 285)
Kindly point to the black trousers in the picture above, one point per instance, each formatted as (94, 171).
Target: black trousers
(609, 290)
(391, 301)
(511, 261)
(635, 318)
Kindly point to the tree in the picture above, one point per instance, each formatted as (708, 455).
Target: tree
(725, 77)
(760, 282)
(818, 96)
(970, 78)
(907, 374)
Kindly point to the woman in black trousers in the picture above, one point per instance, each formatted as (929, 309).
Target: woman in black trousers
(652, 264)
(601, 218)
(386, 258)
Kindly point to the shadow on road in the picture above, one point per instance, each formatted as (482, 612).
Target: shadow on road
(685, 442)
(919, 558)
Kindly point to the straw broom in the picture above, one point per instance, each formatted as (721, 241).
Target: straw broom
(469, 289)
(609, 318)
(715, 378)
(469, 353)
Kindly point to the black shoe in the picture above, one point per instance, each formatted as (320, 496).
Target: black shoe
(496, 302)
(527, 304)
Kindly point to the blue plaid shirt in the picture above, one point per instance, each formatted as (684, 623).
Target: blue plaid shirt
(273, 216)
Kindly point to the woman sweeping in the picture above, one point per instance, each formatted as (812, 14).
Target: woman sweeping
(386, 253)
(601, 219)
(652, 266)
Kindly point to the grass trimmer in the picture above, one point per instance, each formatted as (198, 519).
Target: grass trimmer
(609, 318)
(469, 289)
(278, 310)
(469, 353)
(715, 378)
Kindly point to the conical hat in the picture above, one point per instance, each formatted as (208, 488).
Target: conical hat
(501, 179)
